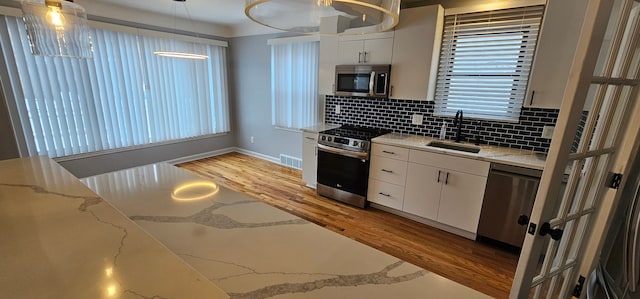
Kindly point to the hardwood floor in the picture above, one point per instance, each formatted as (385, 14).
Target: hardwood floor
(476, 265)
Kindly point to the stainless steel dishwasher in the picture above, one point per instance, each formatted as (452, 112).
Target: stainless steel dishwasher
(510, 192)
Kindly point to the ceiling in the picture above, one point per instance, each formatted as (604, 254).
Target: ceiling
(222, 12)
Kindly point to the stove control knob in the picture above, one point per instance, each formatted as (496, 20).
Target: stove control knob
(329, 138)
(355, 143)
(324, 138)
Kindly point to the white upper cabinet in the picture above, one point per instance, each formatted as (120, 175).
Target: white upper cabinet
(366, 49)
(416, 48)
(554, 53)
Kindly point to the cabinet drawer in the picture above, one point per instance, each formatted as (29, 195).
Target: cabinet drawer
(388, 170)
(464, 165)
(310, 137)
(388, 151)
(385, 194)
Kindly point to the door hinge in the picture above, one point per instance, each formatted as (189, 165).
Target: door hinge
(616, 179)
(578, 289)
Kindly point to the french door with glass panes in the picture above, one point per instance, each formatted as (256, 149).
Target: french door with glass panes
(596, 135)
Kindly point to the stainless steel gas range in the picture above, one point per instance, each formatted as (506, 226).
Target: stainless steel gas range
(343, 163)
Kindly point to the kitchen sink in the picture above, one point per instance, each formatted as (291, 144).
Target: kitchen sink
(455, 146)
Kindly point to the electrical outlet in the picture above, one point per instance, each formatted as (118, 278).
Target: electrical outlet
(417, 119)
(547, 132)
(252, 139)
(337, 109)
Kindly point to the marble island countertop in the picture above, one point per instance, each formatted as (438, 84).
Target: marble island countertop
(60, 240)
(496, 154)
(253, 250)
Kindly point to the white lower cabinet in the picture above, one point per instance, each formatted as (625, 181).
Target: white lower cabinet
(387, 175)
(442, 188)
(310, 158)
(422, 192)
(461, 201)
(445, 189)
(385, 194)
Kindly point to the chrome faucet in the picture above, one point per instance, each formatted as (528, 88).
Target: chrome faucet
(458, 121)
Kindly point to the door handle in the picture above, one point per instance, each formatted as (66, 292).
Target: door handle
(439, 172)
(523, 220)
(555, 233)
(365, 57)
(359, 57)
(446, 180)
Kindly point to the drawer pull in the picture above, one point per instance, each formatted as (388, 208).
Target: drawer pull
(310, 138)
(387, 171)
(388, 152)
(384, 194)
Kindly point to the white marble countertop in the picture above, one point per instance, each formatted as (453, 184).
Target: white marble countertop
(515, 157)
(253, 250)
(319, 128)
(60, 240)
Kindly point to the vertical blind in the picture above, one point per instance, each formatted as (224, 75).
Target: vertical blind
(294, 84)
(485, 62)
(125, 96)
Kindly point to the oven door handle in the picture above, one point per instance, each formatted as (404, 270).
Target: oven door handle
(338, 151)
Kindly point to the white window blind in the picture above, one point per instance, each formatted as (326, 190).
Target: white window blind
(125, 96)
(485, 62)
(294, 84)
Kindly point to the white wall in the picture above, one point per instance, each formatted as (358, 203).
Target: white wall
(251, 91)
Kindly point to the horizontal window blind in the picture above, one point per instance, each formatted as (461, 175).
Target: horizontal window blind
(485, 62)
(125, 96)
(294, 84)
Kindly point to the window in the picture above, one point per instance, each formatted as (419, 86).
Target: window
(485, 61)
(294, 84)
(125, 96)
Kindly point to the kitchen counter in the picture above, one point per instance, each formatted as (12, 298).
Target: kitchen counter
(60, 240)
(515, 157)
(319, 128)
(253, 250)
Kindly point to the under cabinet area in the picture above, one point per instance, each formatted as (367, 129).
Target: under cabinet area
(309, 158)
(441, 188)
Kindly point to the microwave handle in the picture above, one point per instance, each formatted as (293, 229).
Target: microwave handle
(372, 81)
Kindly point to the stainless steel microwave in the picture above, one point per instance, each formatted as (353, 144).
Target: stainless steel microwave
(363, 80)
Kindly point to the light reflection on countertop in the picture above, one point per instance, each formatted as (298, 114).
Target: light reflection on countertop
(196, 190)
(489, 153)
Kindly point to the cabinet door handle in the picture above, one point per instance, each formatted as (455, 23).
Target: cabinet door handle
(365, 57)
(439, 172)
(387, 171)
(446, 180)
(310, 138)
(384, 194)
(391, 90)
(359, 57)
(390, 153)
(533, 92)
(316, 147)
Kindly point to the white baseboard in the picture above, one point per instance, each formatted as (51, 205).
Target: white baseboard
(201, 156)
(258, 155)
(438, 225)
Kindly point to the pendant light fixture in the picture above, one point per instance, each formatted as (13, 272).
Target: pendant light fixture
(338, 17)
(57, 28)
(178, 54)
